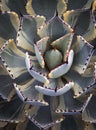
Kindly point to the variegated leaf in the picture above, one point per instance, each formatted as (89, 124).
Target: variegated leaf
(35, 70)
(75, 17)
(89, 111)
(46, 8)
(14, 61)
(78, 4)
(51, 29)
(43, 45)
(83, 52)
(17, 6)
(29, 94)
(8, 26)
(26, 125)
(55, 87)
(49, 118)
(39, 56)
(27, 32)
(82, 84)
(12, 111)
(6, 84)
(69, 105)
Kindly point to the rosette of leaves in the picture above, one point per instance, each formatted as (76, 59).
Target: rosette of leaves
(48, 64)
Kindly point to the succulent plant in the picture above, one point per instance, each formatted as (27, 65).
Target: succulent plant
(47, 65)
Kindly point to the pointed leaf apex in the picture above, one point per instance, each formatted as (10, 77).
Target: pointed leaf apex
(20, 14)
(56, 13)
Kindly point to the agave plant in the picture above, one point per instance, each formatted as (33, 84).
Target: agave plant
(47, 65)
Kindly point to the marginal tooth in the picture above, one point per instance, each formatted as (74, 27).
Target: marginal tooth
(95, 71)
(39, 56)
(51, 92)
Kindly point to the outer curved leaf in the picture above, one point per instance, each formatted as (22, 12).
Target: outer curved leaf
(13, 59)
(49, 118)
(27, 32)
(82, 84)
(17, 6)
(89, 112)
(75, 17)
(12, 111)
(76, 122)
(26, 125)
(69, 105)
(8, 26)
(51, 29)
(6, 85)
(93, 14)
(78, 4)
(46, 8)
(83, 53)
(72, 123)
(29, 94)
(35, 70)
(56, 91)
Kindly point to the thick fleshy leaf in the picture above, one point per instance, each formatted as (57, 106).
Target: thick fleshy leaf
(8, 26)
(83, 52)
(82, 84)
(64, 68)
(53, 58)
(75, 17)
(63, 44)
(71, 16)
(27, 32)
(94, 12)
(67, 104)
(71, 123)
(35, 70)
(14, 60)
(78, 4)
(51, 29)
(29, 94)
(39, 56)
(89, 112)
(42, 44)
(6, 85)
(49, 118)
(26, 125)
(76, 123)
(17, 6)
(91, 69)
(93, 17)
(55, 87)
(12, 111)
(46, 8)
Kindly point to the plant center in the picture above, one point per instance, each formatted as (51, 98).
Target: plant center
(53, 58)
